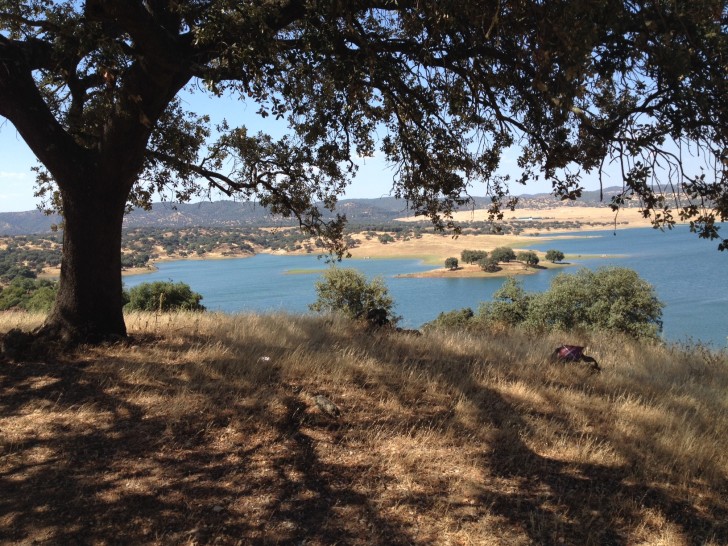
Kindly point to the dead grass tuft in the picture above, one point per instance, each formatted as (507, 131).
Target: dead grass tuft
(204, 428)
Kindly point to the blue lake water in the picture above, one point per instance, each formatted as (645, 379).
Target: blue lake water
(689, 275)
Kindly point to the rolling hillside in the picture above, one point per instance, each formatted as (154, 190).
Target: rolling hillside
(247, 214)
(273, 429)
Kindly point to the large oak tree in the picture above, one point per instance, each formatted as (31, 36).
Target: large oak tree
(441, 88)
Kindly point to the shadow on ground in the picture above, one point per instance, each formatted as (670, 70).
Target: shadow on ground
(98, 461)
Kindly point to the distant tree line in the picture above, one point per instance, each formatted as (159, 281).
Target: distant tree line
(489, 261)
(28, 294)
(26, 255)
(38, 295)
(26, 258)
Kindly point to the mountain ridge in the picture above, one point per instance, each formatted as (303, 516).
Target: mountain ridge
(252, 214)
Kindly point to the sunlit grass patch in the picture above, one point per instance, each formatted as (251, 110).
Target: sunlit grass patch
(211, 419)
(20, 319)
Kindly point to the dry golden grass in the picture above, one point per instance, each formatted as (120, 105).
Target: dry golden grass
(203, 429)
(435, 248)
(626, 217)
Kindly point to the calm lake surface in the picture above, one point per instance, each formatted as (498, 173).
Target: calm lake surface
(690, 277)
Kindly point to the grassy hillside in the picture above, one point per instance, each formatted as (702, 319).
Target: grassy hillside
(205, 429)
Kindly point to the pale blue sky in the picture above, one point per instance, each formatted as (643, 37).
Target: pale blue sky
(374, 178)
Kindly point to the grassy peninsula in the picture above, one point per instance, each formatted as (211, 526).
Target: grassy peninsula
(205, 428)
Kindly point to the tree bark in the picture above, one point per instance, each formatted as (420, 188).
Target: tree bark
(93, 161)
(88, 307)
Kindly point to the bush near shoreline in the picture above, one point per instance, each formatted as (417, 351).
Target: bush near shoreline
(206, 428)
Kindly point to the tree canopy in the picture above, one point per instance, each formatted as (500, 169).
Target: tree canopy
(503, 254)
(528, 257)
(440, 89)
(489, 264)
(472, 256)
(554, 255)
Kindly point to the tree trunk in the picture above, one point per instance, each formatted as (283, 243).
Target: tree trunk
(88, 307)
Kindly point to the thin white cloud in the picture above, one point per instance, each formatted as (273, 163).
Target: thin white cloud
(13, 175)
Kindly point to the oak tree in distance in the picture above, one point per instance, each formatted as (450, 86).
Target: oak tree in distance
(554, 255)
(528, 257)
(439, 88)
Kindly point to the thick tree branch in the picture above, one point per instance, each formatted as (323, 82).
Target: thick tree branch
(155, 33)
(22, 103)
(223, 183)
(32, 23)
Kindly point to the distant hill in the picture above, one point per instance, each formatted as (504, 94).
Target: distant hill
(26, 223)
(247, 214)
(208, 214)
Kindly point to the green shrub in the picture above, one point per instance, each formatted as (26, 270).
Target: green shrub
(43, 298)
(608, 299)
(28, 294)
(459, 319)
(347, 291)
(163, 296)
(510, 305)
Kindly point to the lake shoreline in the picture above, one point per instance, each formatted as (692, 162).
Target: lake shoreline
(684, 269)
(434, 249)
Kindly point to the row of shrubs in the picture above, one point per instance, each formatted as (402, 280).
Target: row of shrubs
(162, 296)
(608, 299)
(506, 254)
(489, 262)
